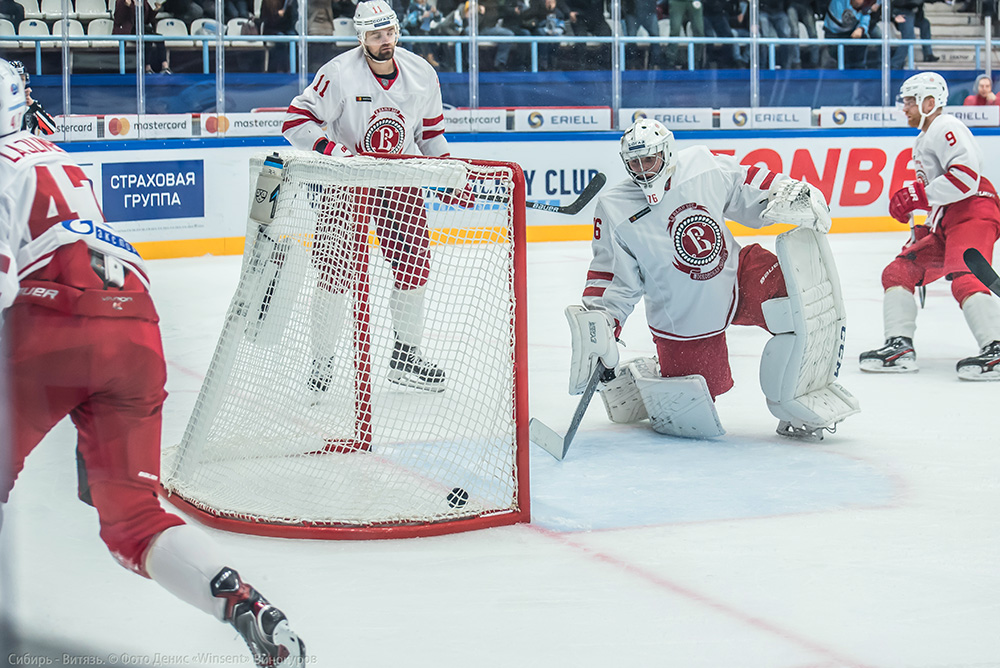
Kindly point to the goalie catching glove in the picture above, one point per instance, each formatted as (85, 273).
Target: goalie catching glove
(797, 203)
(593, 340)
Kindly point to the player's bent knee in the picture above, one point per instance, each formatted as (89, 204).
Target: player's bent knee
(130, 516)
(900, 274)
(966, 285)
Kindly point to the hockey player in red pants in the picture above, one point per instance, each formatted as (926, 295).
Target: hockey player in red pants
(964, 213)
(80, 338)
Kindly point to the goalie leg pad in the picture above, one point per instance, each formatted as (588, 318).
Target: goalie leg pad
(593, 339)
(680, 407)
(621, 396)
(799, 366)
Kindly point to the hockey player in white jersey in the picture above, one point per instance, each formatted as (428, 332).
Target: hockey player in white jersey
(80, 338)
(661, 235)
(379, 99)
(964, 212)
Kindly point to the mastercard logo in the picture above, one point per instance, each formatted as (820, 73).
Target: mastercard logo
(740, 119)
(119, 127)
(839, 116)
(535, 119)
(216, 124)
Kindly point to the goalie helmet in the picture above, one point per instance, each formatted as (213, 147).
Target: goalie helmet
(921, 86)
(647, 149)
(13, 103)
(374, 15)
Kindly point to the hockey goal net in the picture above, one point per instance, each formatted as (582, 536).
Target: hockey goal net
(297, 430)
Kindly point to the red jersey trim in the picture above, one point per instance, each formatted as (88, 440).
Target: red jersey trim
(593, 292)
(600, 276)
(431, 134)
(433, 121)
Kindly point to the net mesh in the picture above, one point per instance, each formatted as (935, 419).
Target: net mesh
(297, 420)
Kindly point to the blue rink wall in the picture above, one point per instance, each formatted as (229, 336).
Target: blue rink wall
(184, 198)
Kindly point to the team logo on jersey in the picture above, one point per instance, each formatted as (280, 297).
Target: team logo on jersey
(386, 131)
(699, 245)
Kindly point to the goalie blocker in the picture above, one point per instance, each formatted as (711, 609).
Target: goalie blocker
(798, 368)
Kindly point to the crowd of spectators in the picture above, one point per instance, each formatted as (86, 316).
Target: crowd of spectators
(839, 20)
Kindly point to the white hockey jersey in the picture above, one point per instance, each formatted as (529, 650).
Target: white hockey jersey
(363, 114)
(47, 202)
(949, 162)
(679, 254)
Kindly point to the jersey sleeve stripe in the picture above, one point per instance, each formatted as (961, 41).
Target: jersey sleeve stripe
(766, 183)
(600, 276)
(288, 125)
(304, 112)
(955, 182)
(967, 170)
(593, 292)
(431, 134)
(428, 122)
(4, 264)
(751, 173)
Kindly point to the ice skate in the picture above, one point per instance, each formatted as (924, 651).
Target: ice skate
(408, 368)
(786, 429)
(321, 374)
(264, 628)
(896, 356)
(984, 366)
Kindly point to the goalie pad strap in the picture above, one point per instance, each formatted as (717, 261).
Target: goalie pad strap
(593, 339)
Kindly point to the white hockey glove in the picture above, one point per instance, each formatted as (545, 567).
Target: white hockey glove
(593, 335)
(797, 203)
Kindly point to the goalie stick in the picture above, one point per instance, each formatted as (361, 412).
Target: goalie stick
(571, 209)
(982, 270)
(547, 438)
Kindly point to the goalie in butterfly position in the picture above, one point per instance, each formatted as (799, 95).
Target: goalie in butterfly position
(661, 235)
(964, 213)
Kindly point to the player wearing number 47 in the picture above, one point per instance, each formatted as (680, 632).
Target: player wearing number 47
(80, 338)
(661, 235)
(377, 98)
(964, 213)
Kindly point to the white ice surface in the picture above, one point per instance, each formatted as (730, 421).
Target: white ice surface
(879, 546)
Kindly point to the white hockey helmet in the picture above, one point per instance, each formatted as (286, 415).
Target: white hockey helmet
(13, 103)
(648, 138)
(921, 86)
(374, 15)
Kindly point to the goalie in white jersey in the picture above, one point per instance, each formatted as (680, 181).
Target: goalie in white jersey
(964, 212)
(661, 235)
(80, 338)
(379, 99)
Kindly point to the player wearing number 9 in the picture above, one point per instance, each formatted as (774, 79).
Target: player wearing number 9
(80, 338)
(964, 213)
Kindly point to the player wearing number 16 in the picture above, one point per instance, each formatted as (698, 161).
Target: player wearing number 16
(661, 236)
(964, 213)
(377, 98)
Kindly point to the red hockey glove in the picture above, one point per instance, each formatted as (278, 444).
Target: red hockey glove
(327, 147)
(464, 198)
(907, 200)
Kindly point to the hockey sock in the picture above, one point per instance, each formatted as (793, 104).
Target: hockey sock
(899, 313)
(982, 313)
(407, 307)
(183, 560)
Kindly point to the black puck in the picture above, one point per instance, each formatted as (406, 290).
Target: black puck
(457, 497)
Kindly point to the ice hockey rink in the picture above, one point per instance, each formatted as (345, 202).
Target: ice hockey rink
(879, 546)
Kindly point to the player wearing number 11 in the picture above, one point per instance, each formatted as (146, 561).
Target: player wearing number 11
(377, 98)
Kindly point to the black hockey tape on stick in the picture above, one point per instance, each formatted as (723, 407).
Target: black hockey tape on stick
(571, 209)
(982, 270)
(547, 438)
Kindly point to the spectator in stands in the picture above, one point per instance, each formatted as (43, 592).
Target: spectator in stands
(718, 23)
(587, 17)
(549, 18)
(418, 21)
(686, 13)
(155, 52)
(511, 16)
(984, 94)
(278, 17)
(739, 21)
(12, 11)
(185, 10)
(642, 14)
(237, 9)
(491, 25)
(773, 17)
(908, 15)
(846, 19)
(804, 12)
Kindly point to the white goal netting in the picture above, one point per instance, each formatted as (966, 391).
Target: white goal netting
(298, 426)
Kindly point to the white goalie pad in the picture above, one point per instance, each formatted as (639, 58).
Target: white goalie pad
(797, 203)
(593, 339)
(680, 407)
(621, 396)
(800, 364)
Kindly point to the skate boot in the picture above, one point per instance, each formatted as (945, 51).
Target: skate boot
(984, 366)
(407, 367)
(896, 356)
(264, 628)
(321, 374)
(803, 433)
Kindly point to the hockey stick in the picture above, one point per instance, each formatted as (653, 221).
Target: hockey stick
(544, 436)
(922, 289)
(982, 270)
(571, 209)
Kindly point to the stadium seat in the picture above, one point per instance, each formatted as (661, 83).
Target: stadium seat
(204, 27)
(88, 10)
(344, 27)
(53, 9)
(73, 28)
(7, 30)
(234, 27)
(174, 28)
(31, 10)
(100, 28)
(34, 28)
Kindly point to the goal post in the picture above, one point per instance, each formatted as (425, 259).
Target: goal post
(297, 430)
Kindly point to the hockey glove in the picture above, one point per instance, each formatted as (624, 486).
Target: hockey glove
(907, 200)
(797, 203)
(331, 148)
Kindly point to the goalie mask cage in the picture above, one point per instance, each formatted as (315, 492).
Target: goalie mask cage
(297, 431)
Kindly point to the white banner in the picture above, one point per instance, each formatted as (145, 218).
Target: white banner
(987, 116)
(75, 128)
(478, 120)
(764, 118)
(257, 124)
(562, 119)
(675, 119)
(861, 117)
(160, 126)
